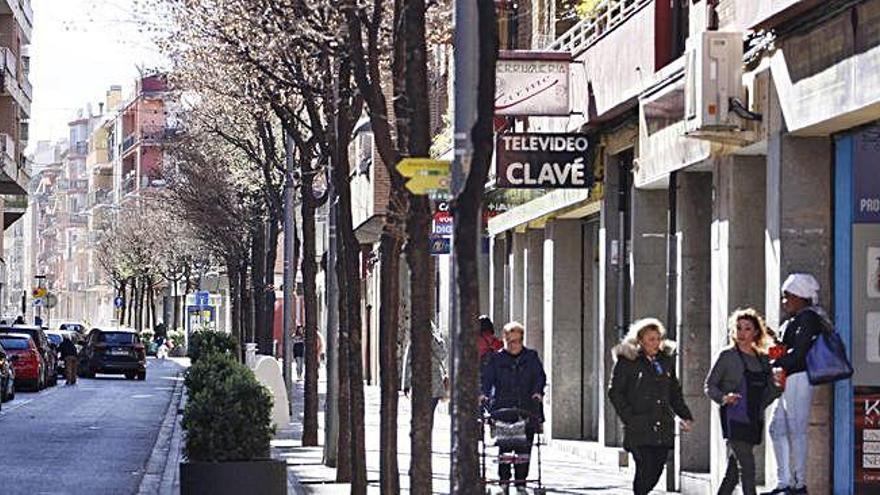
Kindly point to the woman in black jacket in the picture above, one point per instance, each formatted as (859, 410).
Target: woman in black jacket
(647, 395)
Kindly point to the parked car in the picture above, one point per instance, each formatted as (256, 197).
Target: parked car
(77, 327)
(116, 351)
(56, 337)
(7, 375)
(28, 364)
(46, 349)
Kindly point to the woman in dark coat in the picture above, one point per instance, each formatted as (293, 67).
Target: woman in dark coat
(514, 378)
(647, 395)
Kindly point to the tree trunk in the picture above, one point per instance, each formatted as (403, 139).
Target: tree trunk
(309, 271)
(131, 301)
(414, 111)
(466, 211)
(389, 307)
(273, 231)
(343, 441)
(262, 331)
(234, 299)
(121, 292)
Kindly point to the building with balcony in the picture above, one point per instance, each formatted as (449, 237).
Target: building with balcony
(735, 143)
(144, 121)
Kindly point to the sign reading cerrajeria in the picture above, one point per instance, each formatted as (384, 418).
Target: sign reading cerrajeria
(532, 83)
(543, 161)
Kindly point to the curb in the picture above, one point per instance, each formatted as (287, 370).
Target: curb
(156, 472)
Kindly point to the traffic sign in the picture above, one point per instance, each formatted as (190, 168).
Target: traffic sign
(51, 300)
(426, 176)
(118, 302)
(202, 298)
(39, 292)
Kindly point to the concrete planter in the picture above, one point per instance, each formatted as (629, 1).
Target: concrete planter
(266, 477)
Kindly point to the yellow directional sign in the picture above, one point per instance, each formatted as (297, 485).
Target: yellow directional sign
(426, 176)
(39, 292)
(410, 167)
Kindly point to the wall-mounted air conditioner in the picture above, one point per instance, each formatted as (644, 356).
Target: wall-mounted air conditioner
(713, 76)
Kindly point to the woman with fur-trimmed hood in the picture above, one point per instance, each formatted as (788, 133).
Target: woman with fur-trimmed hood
(647, 396)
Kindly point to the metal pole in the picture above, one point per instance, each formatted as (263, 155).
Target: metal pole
(673, 465)
(289, 269)
(331, 410)
(465, 50)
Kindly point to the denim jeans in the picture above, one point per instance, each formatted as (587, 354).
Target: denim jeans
(788, 430)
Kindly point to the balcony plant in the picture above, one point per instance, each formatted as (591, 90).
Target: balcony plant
(227, 425)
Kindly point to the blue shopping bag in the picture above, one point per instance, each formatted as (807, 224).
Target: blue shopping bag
(826, 359)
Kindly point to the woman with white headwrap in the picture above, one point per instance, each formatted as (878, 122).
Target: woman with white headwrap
(791, 419)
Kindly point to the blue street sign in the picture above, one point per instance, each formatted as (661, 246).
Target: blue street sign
(202, 298)
(440, 245)
(118, 302)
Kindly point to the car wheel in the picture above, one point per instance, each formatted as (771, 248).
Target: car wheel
(130, 375)
(142, 376)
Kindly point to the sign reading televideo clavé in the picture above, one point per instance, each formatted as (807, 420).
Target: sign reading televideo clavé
(546, 161)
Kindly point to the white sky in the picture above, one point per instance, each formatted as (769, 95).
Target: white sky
(80, 48)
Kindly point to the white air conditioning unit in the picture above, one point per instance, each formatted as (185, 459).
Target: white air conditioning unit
(713, 75)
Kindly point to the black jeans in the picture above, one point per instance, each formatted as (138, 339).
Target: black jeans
(740, 468)
(650, 462)
(520, 470)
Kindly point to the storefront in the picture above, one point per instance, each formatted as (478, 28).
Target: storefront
(857, 296)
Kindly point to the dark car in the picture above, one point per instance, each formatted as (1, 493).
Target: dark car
(56, 337)
(30, 369)
(46, 349)
(118, 352)
(7, 375)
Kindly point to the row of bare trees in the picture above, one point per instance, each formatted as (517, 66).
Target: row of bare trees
(252, 72)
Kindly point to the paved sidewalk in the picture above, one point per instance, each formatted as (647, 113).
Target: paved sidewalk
(162, 476)
(562, 472)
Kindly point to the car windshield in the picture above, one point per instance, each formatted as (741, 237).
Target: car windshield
(117, 338)
(54, 338)
(17, 344)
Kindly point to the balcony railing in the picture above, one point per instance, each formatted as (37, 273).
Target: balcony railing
(128, 142)
(8, 145)
(99, 197)
(607, 15)
(129, 183)
(9, 61)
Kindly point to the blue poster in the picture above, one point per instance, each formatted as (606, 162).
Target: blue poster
(866, 176)
(440, 245)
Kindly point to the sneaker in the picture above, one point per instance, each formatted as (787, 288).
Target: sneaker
(802, 490)
(779, 490)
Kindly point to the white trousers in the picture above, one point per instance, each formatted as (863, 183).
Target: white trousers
(788, 430)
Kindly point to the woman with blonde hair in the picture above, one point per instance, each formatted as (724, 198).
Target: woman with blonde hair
(647, 396)
(740, 382)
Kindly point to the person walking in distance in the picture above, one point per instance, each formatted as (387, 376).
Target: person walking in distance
(647, 395)
(514, 378)
(68, 354)
(740, 382)
(299, 351)
(487, 342)
(791, 418)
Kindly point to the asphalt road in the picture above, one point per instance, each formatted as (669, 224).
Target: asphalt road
(92, 438)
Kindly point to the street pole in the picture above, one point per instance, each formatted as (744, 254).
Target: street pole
(465, 49)
(331, 404)
(289, 268)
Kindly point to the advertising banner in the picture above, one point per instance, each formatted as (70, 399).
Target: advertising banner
(532, 83)
(867, 439)
(546, 161)
(866, 176)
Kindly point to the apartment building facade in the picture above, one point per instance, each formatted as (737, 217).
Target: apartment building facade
(735, 145)
(16, 94)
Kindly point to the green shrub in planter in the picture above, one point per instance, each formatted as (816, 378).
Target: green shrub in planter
(228, 412)
(205, 342)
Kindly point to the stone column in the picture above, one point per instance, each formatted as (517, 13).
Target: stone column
(534, 290)
(497, 271)
(799, 239)
(517, 277)
(648, 257)
(738, 273)
(562, 328)
(694, 222)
